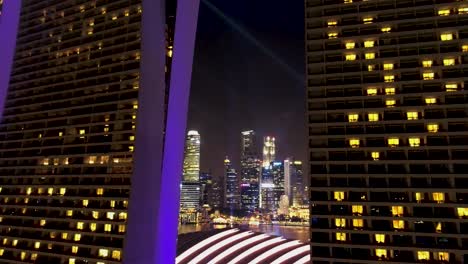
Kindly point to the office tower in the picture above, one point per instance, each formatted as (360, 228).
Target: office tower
(69, 126)
(190, 192)
(232, 192)
(269, 151)
(293, 181)
(192, 157)
(249, 171)
(272, 186)
(387, 130)
(206, 185)
(216, 195)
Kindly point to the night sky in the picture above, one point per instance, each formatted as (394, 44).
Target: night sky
(238, 85)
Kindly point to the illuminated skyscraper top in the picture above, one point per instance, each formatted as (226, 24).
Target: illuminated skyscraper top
(269, 150)
(192, 157)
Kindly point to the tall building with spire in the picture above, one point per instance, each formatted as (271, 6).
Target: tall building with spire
(250, 169)
(269, 151)
(190, 188)
(82, 74)
(388, 127)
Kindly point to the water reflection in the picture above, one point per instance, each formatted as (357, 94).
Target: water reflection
(291, 232)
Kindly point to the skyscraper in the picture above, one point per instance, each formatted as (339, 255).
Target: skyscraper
(269, 151)
(387, 130)
(293, 181)
(206, 184)
(272, 186)
(84, 72)
(190, 191)
(250, 168)
(216, 195)
(191, 171)
(232, 192)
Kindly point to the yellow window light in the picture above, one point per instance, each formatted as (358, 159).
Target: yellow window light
(432, 128)
(375, 155)
(347, 1)
(389, 78)
(77, 237)
(465, 48)
(443, 12)
(388, 66)
(462, 212)
(332, 23)
(371, 67)
(341, 236)
(370, 56)
(332, 35)
(411, 115)
(427, 63)
(103, 253)
(443, 256)
(451, 87)
(418, 197)
(414, 141)
(386, 29)
(357, 209)
(430, 100)
(373, 117)
(350, 45)
(116, 254)
(389, 90)
(380, 238)
(353, 118)
(439, 197)
(358, 223)
(393, 142)
(354, 142)
(338, 196)
(350, 57)
(428, 76)
(390, 102)
(463, 10)
(371, 91)
(424, 255)
(449, 62)
(397, 210)
(369, 43)
(398, 224)
(446, 36)
(381, 253)
(438, 227)
(367, 20)
(340, 222)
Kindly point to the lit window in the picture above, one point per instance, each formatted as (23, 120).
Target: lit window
(77, 237)
(85, 203)
(358, 222)
(430, 100)
(397, 210)
(14, 242)
(332, 23)
(432, 128)
(107, 228)
(131, 148)
(347, 1)
(69, 212)
(131, 138)
(389, 90)
(386, 29)
(370, 56)
(443, 256)
(91, 159)
(116, 254)
(71, 261)
(37, 245)
(451, 87)
(427, 63)
(412, 115)
(465, 48)
(369, 43)
(372, 91)
(99, 191)
(462, 10)
(350, 57)
(341, 236)
(82, 132)
(393, 142)
(428, 76)
(449, 62)
(64, 236)
(42, 222)
(462, 211)
(381, 253)
(74, 249)
(332, 35)
(357, 209)
(373, 117)
(375, 155)
(121, 228)
(439, 227)
(371, 67)
(418, 197)
(112, 203)
(62, 191)
(438, 197)
(446, 36)
(444, 12)
(33, 256)
(414, 141)
(388, 66)
(110, 215)
(340, 222)
(390, 102)
(95, 214)
(398, 224)
(103, 253)
(354, 142)
(339, 196)
(423, 255)
(79, 225)
(122, 215)
(380, 238)
(353, 117)
(114, 16)
(92, 227)
(367, 20)
(350, 45)
(389, 78)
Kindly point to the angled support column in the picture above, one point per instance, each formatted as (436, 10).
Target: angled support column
(9, 22)
(154, 199)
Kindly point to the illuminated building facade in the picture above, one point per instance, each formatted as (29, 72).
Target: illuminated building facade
(272, 186)
(250, 168)
(294, 181)
(190, 191)
(269, 151)
(192, 157)
(216, 195)
(69, 127)
(231, 191)
(206, 184)
(388, 130)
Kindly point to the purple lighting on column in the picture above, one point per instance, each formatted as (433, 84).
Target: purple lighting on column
(184, 44)
(8, 30)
